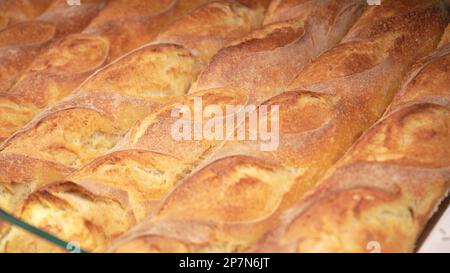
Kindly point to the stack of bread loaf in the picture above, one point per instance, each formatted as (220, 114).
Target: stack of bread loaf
(86, 119)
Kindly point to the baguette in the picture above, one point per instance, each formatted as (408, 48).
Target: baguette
(107, 105)
(142, 156)
(69, 61)
(240, 192)
(381, 194)
(21, 43)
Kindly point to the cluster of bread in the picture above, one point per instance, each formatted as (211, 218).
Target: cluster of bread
(86, 99)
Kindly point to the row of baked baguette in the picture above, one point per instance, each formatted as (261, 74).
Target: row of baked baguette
(91, 121)
(381, 194)
(93, 210)
(239, 193)
(16, 11)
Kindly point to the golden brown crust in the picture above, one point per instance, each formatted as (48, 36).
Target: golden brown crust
(427, 80)
(17, 171)
(384, 190)
(284, 10)
(287, 45)
(20, 175)
(83, 216)
(15, 11)
(107, 105)
(217, 224)
(129, 24)
(154, 132)
(60, 70)
(386, 187)
(146, 173)
(21, 43)
(28, 39)
(138, 22)
(38, 41)
(221, 22)
(445, 40)
(171, 67)
(52, 76)
(347, 100)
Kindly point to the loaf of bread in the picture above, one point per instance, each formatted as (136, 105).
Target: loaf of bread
(381, 194)
(15, 11)
(20, 43)
(92, 120)
(240, 191)
(119, 27)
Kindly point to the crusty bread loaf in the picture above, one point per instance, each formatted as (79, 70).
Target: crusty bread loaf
(14, 11)
(21, 43)
(119, 27)
(92, 120)
(241, 191)
(381, 194)
(249, 63)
